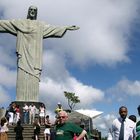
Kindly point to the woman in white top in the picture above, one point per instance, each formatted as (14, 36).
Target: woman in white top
(42, 114)
(47, 128)
(3, 129)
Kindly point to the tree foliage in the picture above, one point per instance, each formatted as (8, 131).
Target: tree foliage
(72, 99)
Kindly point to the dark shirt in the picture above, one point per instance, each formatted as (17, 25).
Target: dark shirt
(18, 129)
(37, 130)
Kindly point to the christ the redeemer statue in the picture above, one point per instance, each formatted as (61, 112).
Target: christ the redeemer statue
(30, 34)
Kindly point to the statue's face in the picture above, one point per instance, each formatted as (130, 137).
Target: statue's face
(32, 12)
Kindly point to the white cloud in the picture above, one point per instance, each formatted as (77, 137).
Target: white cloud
(123, 93)
(4, 97)
(103, 34)
(87, 94)
(54, 66)
(127, 87)
(54, 91)
(102, 39)
(103, 123)
(7, 51)
(8, 77)
(56, 79)
(104, 26)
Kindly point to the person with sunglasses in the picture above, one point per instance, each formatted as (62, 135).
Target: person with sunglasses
(65, 130)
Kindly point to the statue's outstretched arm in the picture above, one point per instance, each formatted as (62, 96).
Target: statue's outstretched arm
(73, 27)
(7, 27)
(56, 31)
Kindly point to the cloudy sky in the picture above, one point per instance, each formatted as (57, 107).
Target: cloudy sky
(99, 62)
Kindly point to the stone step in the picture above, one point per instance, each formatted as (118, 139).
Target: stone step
(25, 125)
(24, 133)
(28, 132)
(27, 138)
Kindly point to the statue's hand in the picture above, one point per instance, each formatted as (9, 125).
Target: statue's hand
(73, 27)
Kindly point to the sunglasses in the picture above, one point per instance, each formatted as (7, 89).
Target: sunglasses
(62, 117)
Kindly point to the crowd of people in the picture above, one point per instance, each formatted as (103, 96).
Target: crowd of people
(27, 113)
(52, 131)
(123, 128)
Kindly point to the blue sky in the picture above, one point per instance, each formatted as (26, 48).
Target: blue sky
(99, 62)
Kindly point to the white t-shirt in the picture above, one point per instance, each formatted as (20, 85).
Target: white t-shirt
(32, 109)
(25, 108)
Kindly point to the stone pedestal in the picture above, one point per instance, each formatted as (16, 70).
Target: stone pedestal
(21, 105)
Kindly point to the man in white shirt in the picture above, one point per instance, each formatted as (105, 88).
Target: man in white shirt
(32, 111)
(129, 126)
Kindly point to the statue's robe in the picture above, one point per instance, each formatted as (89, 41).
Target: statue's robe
(30, 34)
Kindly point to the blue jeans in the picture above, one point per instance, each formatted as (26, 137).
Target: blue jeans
(26, 117)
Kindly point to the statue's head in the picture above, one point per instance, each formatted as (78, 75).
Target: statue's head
(32, 13)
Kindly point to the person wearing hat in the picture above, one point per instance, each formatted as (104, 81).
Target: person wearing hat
(59, 108)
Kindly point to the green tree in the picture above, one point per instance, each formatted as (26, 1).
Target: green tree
(72, 99)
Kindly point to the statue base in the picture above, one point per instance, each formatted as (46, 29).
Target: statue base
(21, 105)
